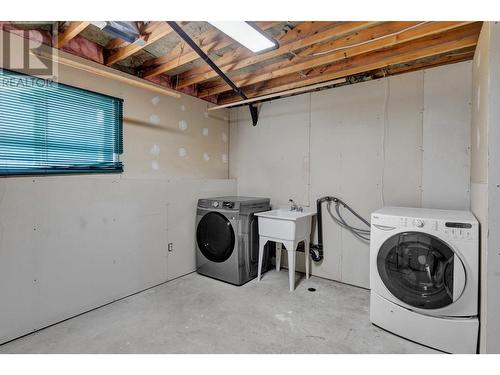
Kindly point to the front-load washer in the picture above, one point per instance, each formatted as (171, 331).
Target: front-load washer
(227, 238)
(424, 271)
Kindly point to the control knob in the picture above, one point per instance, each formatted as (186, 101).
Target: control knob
(419, 223)
(215, 204)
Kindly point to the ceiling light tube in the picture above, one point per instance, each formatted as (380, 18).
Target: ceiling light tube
(247, 34)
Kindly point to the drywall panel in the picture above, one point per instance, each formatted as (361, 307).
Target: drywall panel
(446, 132)
(271, 159)
(364, 143)
(479, 163)
(492, 267)
(70, 244)
(84, 243)
(480, 108)
(479, 207)
(345, 148)
(173, 137)
(363, 157)
(403, 141)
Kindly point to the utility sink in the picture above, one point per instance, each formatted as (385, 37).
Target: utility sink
(285, 224)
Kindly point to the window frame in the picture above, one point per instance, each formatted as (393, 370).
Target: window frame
(117, 167)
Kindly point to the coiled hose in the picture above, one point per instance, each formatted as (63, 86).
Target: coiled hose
(316, 251)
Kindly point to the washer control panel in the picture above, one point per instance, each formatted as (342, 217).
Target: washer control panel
(220, 205)
(452, 230)
(229, 205)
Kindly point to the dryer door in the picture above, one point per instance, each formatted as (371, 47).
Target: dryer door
(421, 270)
(215, 237)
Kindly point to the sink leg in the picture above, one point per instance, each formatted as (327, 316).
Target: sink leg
(291, 266)
(278, 256)
(262, 243)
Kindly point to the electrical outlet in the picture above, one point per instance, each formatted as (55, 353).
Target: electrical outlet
(170, 247)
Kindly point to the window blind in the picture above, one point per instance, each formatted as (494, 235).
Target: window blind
(48, 127)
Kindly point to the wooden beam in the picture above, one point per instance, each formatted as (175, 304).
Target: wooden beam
(116, 43)
(297, 90)
(80, 63)
(426, 63)
(73, 29)
(152, 32)
(341, 49)
(303, 35)
(182, 54)
(439, 60)
(411, 51)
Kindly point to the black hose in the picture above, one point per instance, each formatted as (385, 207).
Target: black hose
(316, 251)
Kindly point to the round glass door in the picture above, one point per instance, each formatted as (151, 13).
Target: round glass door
(418, 269)
(215, 237)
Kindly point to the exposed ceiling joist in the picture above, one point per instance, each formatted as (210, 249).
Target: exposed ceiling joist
(437, 60)
(182, 54)
(410, 51)
(309, 53)
(116, 43)
(152, 32)
(73, 29)
(82, 64)
(297, 90)
(341, 49)
(303, 35)
(429, 62)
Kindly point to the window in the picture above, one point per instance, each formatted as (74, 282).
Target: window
(48, 127)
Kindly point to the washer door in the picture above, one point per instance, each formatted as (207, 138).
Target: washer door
(421, 270)
(215, 237)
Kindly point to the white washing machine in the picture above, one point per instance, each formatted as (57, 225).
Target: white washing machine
(424, 276)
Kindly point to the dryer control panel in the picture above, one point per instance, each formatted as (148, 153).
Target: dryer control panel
(452, 230)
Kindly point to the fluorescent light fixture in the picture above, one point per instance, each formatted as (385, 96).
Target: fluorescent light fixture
(125, 30)
(246, 34)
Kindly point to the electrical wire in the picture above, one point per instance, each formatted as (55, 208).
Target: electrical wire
(366, 41)
(178, 61)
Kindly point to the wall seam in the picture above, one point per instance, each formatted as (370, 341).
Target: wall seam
(309, 153)
(421, 184)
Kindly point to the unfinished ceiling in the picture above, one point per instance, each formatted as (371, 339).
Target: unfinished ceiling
(309, 52)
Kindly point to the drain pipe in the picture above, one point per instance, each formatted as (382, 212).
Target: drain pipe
(316, 250)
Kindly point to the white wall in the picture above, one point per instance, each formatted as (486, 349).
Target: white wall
(492, 268)
(372, 144)
(479, 161)
(72, 243)
(485, 174)
(446, 142)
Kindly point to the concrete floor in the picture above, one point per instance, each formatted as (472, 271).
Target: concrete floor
(195, 314)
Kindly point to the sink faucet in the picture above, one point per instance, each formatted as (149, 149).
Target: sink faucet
(294, 206)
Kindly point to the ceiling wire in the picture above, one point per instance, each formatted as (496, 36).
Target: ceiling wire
(366, 41)
(178, 61)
